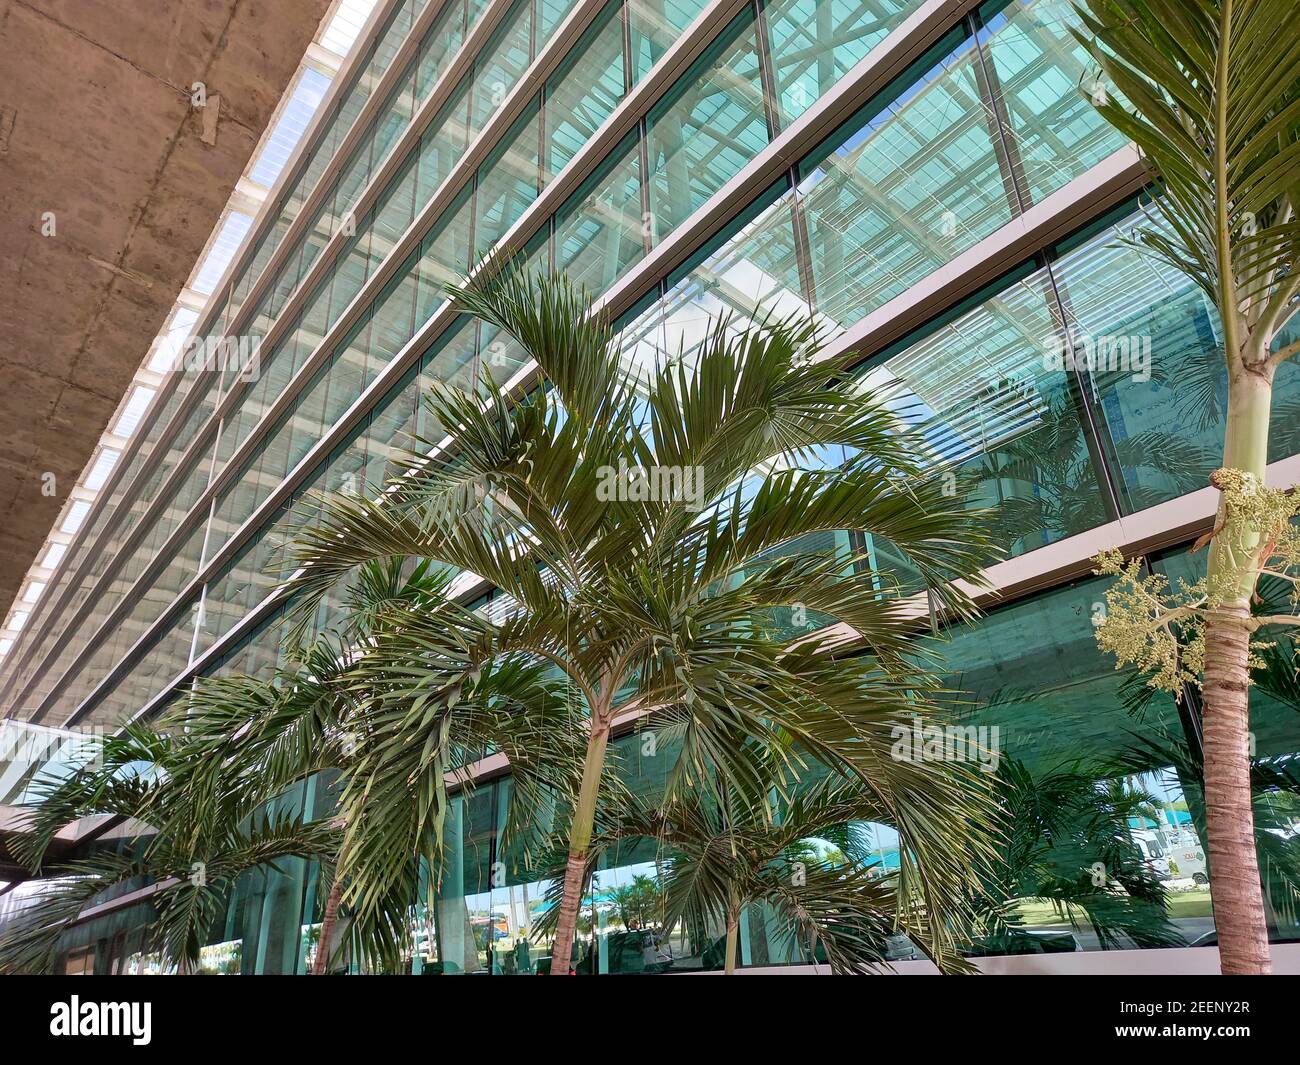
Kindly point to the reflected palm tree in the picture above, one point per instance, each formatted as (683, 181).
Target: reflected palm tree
(1068, 844)
(1275, 801)
(785, 847)
(1044, 482)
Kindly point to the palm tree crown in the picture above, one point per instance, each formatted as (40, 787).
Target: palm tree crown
(647, 532)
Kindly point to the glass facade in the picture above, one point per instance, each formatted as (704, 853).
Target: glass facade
(178, 566)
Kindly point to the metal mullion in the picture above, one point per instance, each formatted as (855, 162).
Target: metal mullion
(810, 129)
(673, 64)
(442, 91)
(649, 230)
(771, 102)
(802, 240)
(1005, 151)
(342, 82)
(1082, 392)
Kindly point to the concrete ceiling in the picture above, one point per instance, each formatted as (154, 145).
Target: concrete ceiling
(97, 126)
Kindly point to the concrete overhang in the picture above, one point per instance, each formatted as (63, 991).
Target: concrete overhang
(110, 185)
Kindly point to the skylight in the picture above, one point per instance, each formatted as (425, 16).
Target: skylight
(223, 249)
(341, 33)
(75, 516)
(293, 121)
(168, 347)
(103, 466)
(134, 410)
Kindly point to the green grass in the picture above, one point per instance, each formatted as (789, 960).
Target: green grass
(1181, 904)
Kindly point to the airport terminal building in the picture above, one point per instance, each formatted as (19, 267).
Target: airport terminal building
(927, 178)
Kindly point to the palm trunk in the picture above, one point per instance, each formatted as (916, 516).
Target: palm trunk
(1230, 826)
(733, 940)
(584, 820)
(320, 964)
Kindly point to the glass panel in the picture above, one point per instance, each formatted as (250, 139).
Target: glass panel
(1053, 131)
(501, 64)
(815, 43)
(442, 144)
(653, 25)
(395, 213)
(980, 395)
(586, 89)
(707, 129)
(599, 232)
(1047, 713)
(753, 273)
(393, 317)
(507, 182)
(1152, 344)
(903, 194)
(394, 118)
(441, 43)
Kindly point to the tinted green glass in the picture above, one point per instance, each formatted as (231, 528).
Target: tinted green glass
(1033, 673)
(442, 144)
(393, 319)
(1151, 343)
(438, 47)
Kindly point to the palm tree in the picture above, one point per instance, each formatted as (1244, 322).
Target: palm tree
(1215, 108)
(319, 715)
(643, 531)
(191, 852)
(723, 849)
